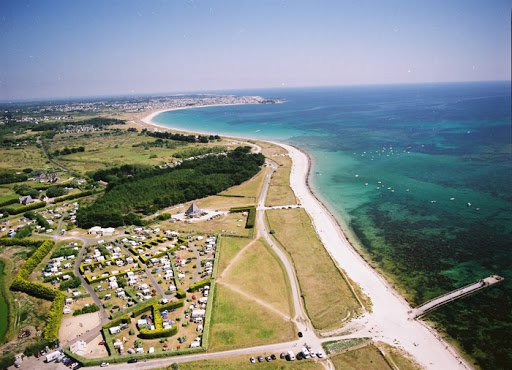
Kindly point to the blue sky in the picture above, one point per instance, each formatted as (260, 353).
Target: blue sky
(82, 48)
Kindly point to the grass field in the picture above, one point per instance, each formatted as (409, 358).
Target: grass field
(260, 273)
(228, 249)
(367, 357)
(238, 322)
(251, 188)
(328, 297)
(268, 149)
(242, 362)
(402, 359)
(23, 157)
(279, 192)
(115, 150)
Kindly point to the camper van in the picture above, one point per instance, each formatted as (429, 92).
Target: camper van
(52, 356)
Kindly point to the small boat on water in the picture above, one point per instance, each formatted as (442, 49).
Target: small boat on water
(357, 176)
(433, 201)
(452, 198)
(469, 204)
(366, 183)
(406, 189)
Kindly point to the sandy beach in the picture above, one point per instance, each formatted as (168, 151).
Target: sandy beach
(391, 319)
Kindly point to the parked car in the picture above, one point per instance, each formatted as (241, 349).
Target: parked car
(132, 361)
(300, 334)
(260, 358)
(273, 357)
(252, 360)
(268, 359)
(282, 355)
(104, 364)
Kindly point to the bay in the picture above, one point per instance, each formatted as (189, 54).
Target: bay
(419, 177)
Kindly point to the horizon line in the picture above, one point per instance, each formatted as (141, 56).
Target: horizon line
(210, 92)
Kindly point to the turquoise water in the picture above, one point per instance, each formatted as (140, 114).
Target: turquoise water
(420, 145)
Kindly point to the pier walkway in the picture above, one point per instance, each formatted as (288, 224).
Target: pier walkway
(456, 294)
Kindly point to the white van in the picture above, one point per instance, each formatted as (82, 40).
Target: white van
(291, 356)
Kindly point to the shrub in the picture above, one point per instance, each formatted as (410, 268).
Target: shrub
(132, 331)
(70, 284)
(7, 360)
(34, 348)
(87, 309)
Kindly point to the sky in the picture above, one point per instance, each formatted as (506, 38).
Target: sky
(117, 47)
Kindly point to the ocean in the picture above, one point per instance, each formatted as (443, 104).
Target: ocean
(419, 177)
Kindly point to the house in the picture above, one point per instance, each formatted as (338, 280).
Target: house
(94, 230)
(193, 211)
(26, 200)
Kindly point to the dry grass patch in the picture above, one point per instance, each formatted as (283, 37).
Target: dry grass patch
(229, 247)
(223, 203)
(250, 188)
(279, 192)
(23, 157)
(239, 322)
(242, 362)
(367, 357)
(260, 273)
(401, 358)
(268, 149)
(327, 296)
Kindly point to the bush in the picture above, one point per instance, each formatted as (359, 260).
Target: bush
(7, 360)
(132, 331)
(70, 284)
(34, 348)
(55, 191)
(24, 232)
(87, 309)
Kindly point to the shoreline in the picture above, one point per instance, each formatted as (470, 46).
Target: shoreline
(390, 320)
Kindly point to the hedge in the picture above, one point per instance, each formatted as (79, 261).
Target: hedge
(21, 283)
(209, 308)
(125, 319)
(8, 202)
(74, 196)
(198, 285)
(23, 209)
(20, 242)
(133, 308)
(116, 359)
(51, 330)
(251, 217)
(180, 294)
(162, 333)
